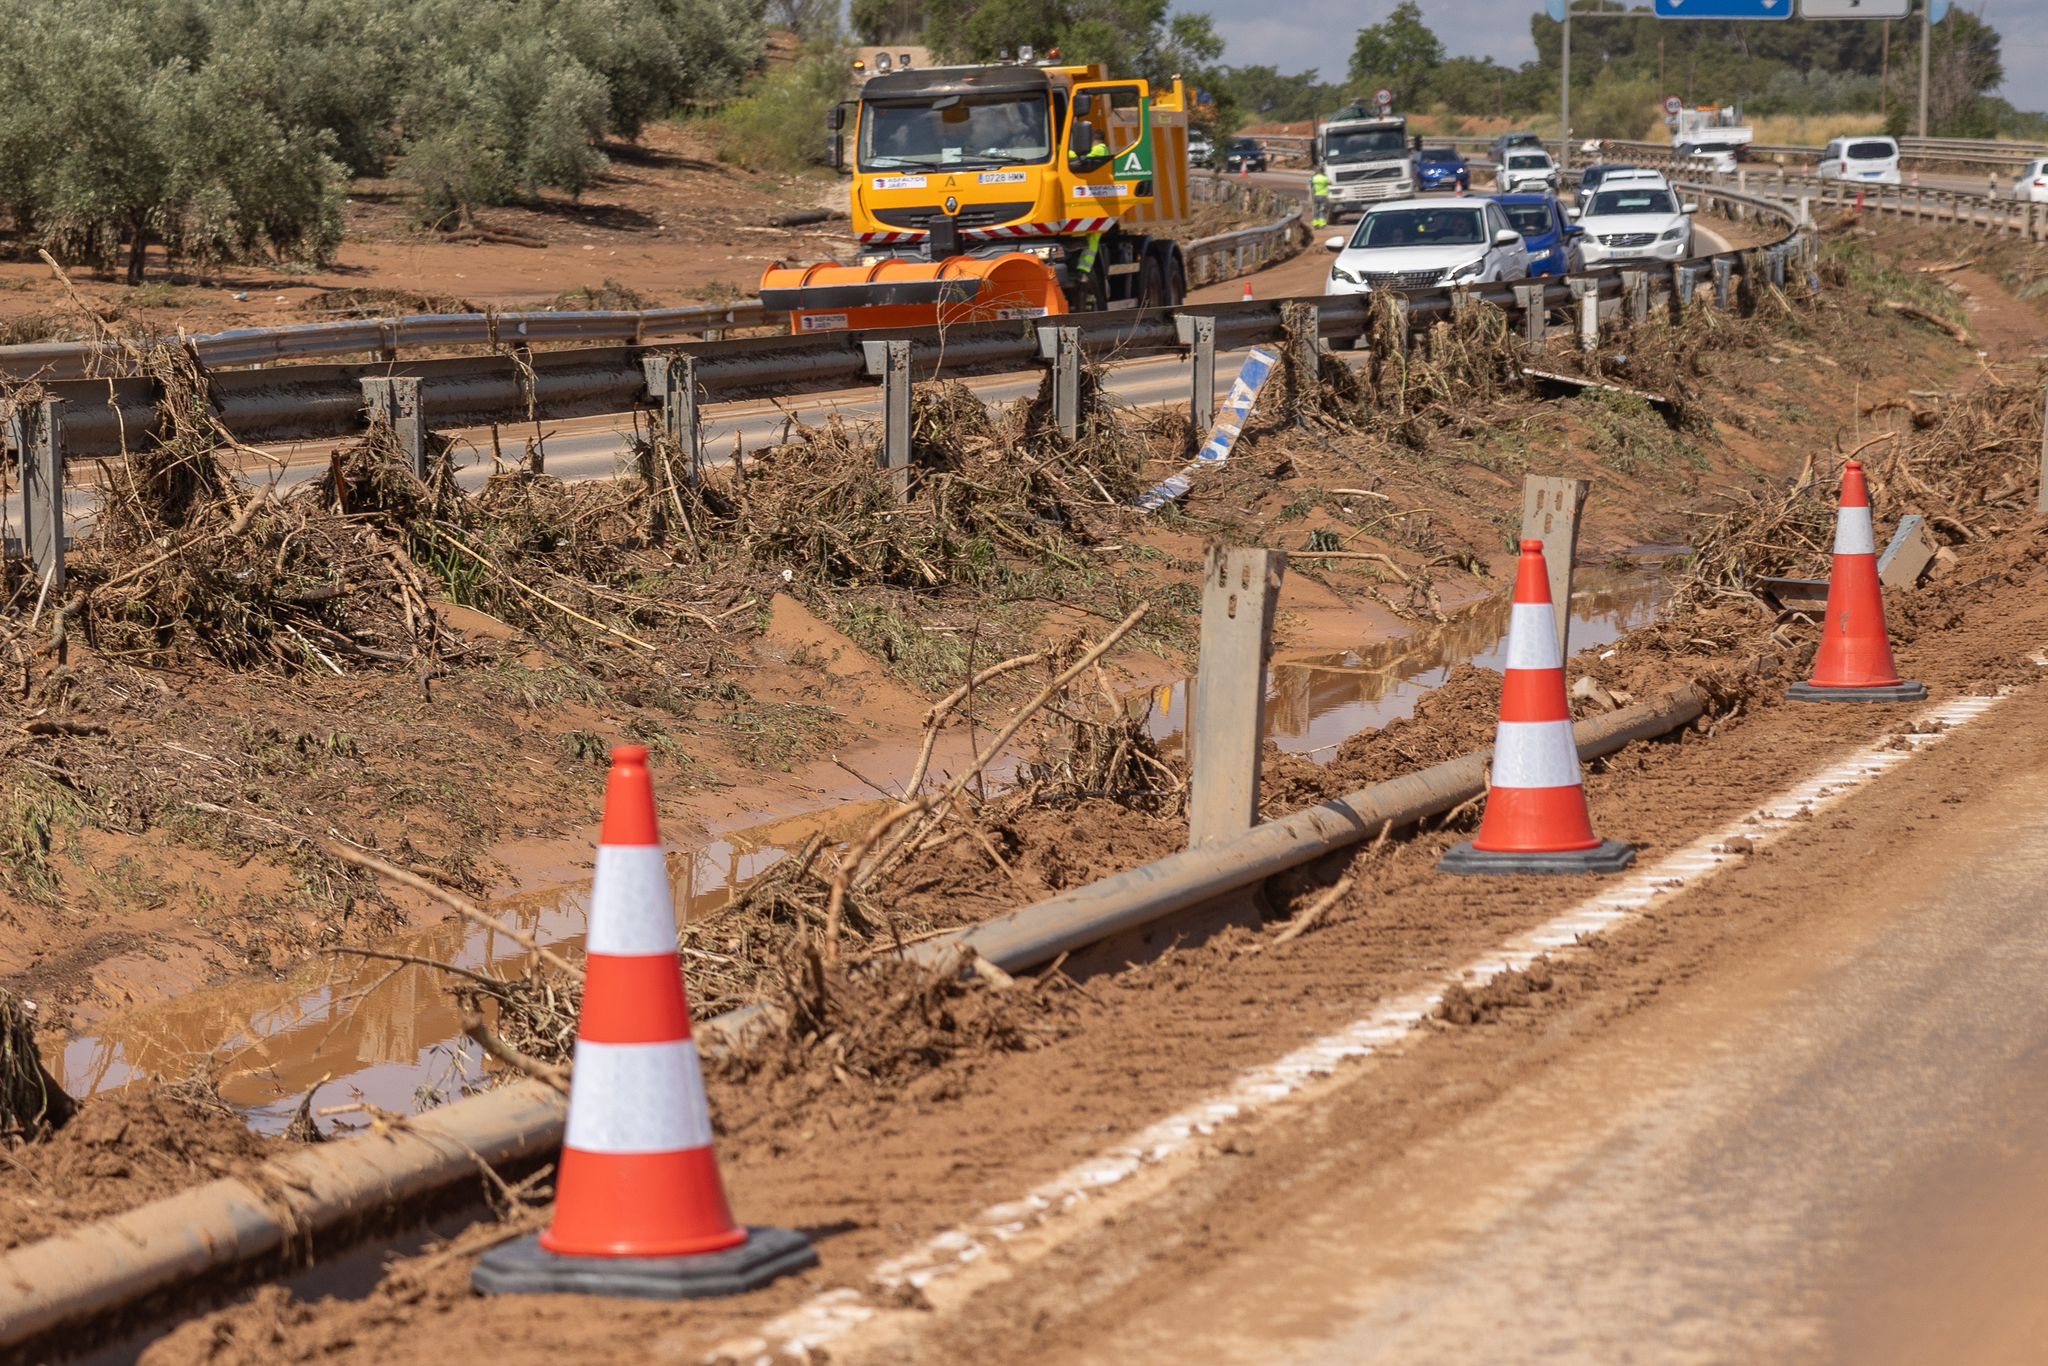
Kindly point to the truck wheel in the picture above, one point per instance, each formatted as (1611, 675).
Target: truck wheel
(1152, 287)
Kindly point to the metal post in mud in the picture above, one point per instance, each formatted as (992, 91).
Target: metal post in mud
(2041, 497)
(1588, 292)
(1197, 332)
(1635, 287)
(1724, 281)
(1535, 325)
(1066, 379)
(890, 362)
(396, 399)
(1239, 594)
(672, 384)
(1685, 281)
(1300, 323)
(1551, 505)
(1778, 266)
(36, 431)
(1403, 322)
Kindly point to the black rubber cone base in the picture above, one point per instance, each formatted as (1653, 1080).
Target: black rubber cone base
(527, 1268)
(1908, 691)
(1464, 861)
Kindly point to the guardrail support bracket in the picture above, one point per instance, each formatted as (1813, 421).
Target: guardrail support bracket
(672, 384)
(1724, 279)
(1066, 380)
(37, 434)
(1197, 332)
(891, 361)
(1588, 294)
(1535, 322)
(396, 399)
(1635, 287)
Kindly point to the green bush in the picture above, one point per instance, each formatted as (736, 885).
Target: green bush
(779, 123)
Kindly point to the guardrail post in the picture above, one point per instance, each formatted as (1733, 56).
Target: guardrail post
(1197, 332)
(1551, 506)
(36, 432)
(890, 362)
(1301, 323)
(2041, 498)
(1066, 380)
(396, 399)
(1535, 321)
(1239, 594)
(1724, 280)
(1404, 323)
(1776, 256)
(1635, 287)
(672, 383)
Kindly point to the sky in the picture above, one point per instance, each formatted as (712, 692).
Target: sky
(1305, 35)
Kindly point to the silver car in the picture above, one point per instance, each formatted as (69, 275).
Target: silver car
(1423, 243)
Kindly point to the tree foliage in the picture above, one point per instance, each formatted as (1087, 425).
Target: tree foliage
(222, 129)
(1400, 53)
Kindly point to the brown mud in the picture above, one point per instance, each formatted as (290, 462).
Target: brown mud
(1441, 511)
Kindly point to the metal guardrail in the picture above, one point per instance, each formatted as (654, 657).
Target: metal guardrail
(102, 417)
(1209, 259)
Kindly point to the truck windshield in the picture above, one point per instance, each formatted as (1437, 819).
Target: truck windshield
(968, 131)
(1445, 227)
(1360, 144)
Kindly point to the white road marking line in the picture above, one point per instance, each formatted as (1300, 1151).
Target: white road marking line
(804, 1332)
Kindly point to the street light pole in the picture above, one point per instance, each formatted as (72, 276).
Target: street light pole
(1926, 42)
(1564, 101)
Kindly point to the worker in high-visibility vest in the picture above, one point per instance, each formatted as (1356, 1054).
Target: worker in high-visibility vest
(1319, 190)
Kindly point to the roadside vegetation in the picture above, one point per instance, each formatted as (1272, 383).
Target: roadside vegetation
(223, 130)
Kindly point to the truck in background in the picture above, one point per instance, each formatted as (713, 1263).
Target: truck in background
(1711, 136)
(1366, 156)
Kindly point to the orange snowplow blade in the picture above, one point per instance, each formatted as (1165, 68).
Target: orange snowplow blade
(898, 293)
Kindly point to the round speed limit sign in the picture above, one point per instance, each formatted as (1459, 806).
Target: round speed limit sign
(1383, 97)
(1672, 104)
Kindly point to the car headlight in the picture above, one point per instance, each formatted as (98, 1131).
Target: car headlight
(1469, 271)
(1339, 273)
(1672, 235)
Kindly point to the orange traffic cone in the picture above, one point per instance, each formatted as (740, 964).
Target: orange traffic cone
(1247, 291)
(1855, 662)
(1536, 819)
(639, 1207)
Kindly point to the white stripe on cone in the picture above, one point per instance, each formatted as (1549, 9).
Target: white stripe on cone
(1535, 754)
(631, 915)
(638, 1098)
(1853, 535)
(1532, 637)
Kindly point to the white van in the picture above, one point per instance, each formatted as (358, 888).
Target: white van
(2032, 182)
(1873, 160)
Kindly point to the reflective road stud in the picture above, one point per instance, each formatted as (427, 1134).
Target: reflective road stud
(640, 1210)
(1855, 660)
(1536, 820)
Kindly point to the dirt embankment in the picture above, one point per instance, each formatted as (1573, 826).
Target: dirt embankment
(498, 718)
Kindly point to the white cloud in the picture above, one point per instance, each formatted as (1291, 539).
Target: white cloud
(1316, 35)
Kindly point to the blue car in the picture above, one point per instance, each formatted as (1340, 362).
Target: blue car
(1440, 168)
(1551, 239)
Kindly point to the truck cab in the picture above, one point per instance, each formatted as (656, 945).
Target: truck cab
(1366, 157)
(1061, 163)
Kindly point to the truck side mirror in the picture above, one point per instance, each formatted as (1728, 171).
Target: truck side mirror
(836, 120)
(1084, 105)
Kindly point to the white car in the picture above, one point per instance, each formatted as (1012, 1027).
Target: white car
(1634, 222)
(1423, 243)
(1871, 161)
(1525, 168)
(2032, 182)
(1708, 160)
(1200, 149)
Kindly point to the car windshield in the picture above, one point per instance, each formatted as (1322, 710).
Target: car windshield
(1529, 161)
(971, 130)
(1531, 220)
(1360, 143)
(1872, 151)
(1645, 200)
(1445, 227)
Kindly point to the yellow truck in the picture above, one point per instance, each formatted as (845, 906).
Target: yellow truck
(984, 192)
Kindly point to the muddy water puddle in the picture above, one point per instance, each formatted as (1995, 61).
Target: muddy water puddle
(1316, 701)
(388, 1033)
(385, 1033)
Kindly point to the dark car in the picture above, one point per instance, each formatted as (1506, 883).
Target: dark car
(1590, 178)
(1244, 154)
(1439, 168)
(1552, 242)
(1499, 150)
